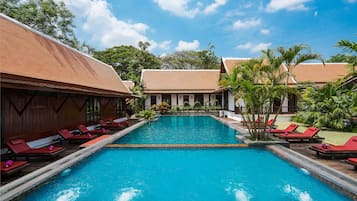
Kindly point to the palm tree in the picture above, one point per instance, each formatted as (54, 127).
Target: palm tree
(350, 46)
(250, 82)
(290, 58)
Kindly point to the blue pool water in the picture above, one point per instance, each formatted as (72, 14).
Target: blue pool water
(186, 174)
(182, 130)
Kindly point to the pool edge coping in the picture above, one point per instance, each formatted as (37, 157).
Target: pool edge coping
(339, 181)
(30, 181)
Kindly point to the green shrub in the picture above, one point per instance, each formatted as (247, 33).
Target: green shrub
(163, 107)
(147, 114)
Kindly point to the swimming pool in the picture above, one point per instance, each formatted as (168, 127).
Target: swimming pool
(185, 174)
(182, 130)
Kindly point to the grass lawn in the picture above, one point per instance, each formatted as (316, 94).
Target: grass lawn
(331, 137)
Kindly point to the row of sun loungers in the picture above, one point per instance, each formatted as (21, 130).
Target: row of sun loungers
(20, 148)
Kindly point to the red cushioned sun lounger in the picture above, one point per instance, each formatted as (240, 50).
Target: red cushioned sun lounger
(349, 149)
(291, 128)
(308, 134)
(352, 161)
(77, 138)
(20, 148)
(85, 130)
(15, 167)
(112, 125)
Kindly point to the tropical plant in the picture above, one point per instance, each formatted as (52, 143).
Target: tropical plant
(331, 106)
(289, 58)
(197, 105)
(163, 107)
(351, 47)
(250, 82)
(147, 114)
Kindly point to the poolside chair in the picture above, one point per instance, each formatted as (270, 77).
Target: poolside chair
(352, 161)
(309, 134)
(291, 128)
(123, 123)
(20, 148)
(85, 130)
(349, 149)
(111, 126)
(10, 167)
(66, 135)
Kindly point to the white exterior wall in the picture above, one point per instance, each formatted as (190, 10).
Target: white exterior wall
(173, 100)
(148, 102)
(285, 105)
(191, 99)
(180, 100)
(213, 99)
(231, 101)
(241, 103)
(158, 99)
(205, 99)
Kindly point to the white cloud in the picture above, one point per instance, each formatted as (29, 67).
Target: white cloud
(178, 7)
(185, 46)
(254, 47)
(97, 21)
(241, 24)
(213, 7)
(164, 45)
(276, 5)
(265, 31)
(351, 1)
(316, 13)
(182, 8)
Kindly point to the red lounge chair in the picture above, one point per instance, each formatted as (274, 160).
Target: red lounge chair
(111, 126)
(352, 161)
(123, 123)
(78, 138)
(85, 130)
(20, 148)
(13, 167)
(291, 128)
(309, 134)
(349, 149)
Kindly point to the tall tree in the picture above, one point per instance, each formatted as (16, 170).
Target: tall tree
(351, 47)
(203, 59)
(128, 61)
(290, 58)
(253, 83)
(45, 16)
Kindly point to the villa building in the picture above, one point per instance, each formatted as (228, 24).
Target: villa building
(182, 87)
(315, 73)
(47, 86)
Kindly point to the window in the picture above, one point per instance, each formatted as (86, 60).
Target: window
(120, 107)
(218, 100)
(93, 110)
(186, 99)
(199, 98)
(153, 100)
(166, 98)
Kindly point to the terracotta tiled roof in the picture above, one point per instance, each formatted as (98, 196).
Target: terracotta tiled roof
(28, 58)
(228, 64)
(180, 81)
(129, 84)
(304, 72)
(318, 73)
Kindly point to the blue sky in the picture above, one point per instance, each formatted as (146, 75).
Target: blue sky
(237, 28)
